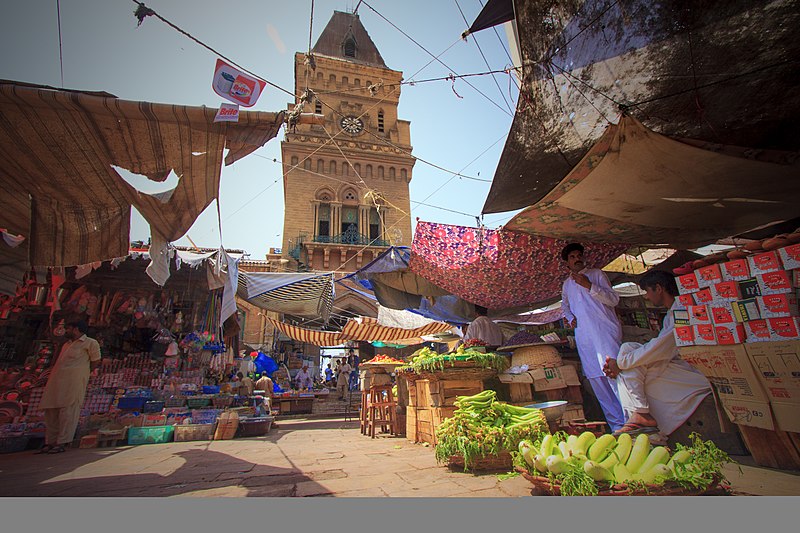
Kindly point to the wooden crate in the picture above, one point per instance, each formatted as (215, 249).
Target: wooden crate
(435, 393)
(773, 449)
(521, 392)
(411, 425)
(421, 424)
(455, 388)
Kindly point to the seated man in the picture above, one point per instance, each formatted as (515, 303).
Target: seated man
(657, 389)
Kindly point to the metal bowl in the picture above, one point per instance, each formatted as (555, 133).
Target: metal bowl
(552, 410)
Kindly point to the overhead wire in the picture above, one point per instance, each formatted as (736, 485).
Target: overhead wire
(60, 42)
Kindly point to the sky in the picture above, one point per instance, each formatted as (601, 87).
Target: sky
(452, 124)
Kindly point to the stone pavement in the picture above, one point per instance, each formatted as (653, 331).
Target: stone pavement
(298, 458)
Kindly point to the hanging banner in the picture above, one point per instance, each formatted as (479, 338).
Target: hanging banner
(227, 113)
(236, 86)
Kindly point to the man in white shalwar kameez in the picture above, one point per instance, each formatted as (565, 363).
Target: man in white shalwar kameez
(588, 302)
(659, 391)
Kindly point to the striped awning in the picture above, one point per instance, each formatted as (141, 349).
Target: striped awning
(305, 295)
(310, 336)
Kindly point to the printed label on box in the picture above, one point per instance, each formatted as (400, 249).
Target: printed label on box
(686, 299)
(698, 314)
(746, 310)
(745, 413)
(681, 317)
(687, 283)
(730, 370)
(790, 256)
(784, 328)
(735, 270)
(749, 288)
(703, 296)
(778, 305)
(708, 276)
(729, 333)
(727, 290)
(774, 282)
(722, 312)
(757, 331)
(704, 334)
(684, 335)
(763, 263)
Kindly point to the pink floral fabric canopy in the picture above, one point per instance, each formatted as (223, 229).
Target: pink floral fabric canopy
(497, 269)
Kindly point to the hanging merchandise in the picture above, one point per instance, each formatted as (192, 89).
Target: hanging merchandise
(213, 328)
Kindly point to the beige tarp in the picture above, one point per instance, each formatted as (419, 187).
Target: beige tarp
(638, 186)
(57, 148)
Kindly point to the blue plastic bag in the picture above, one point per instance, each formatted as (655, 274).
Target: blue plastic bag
(265, 363)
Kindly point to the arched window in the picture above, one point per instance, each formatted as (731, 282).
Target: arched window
(346, 168)
(332, 79)
(349, 47)
(318, 107)
(357, 168)
(320, 77)
(350, 197)
(333, 167)
(345, 81)
(369, 171)
(324, 218)
(380, 121)
(391, 173)
(320, 166)
(295, 160)
(374, 224)
(307, 164)
(404, 174)
(380, 171)
(357, 82)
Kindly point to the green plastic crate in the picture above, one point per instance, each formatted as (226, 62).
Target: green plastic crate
(150, 435)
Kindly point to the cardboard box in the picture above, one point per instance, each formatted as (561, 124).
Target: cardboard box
(554, 378)
(708, 276)
(784, 328)
(699, 314)
(777, 365)
(727, 290)
(757, 331)
(686, 299)
(729, 369)
(729, 333)
(796, 279)
(763, 263)
(681, 317)
(524, 377)
(778, 305)
(722, 312)
(754, 414)
(746, 310)
(703, 296)
(749, 288)
(774, 282)
(790, 256)
(687, 283)
(735, 270)
(704, 334)
(684, 335)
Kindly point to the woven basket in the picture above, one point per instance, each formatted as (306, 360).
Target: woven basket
(536, 357)
(543, 487)
(500, 462)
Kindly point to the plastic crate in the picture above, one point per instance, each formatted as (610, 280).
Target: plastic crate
(210, 389)
(254, 427)
(132, 404)
(175, 401)
(150, 435)
(13, 443)
(221, 402)
(189, 432)
(153, 407)
(198, 402)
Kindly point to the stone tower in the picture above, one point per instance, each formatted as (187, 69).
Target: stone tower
(346, 199)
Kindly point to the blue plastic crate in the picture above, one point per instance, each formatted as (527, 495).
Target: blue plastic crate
(134, 404)
(153, 407)
(150, 435)
(210, 389)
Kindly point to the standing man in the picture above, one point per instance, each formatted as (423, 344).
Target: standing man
(246, 385)
(328, 374)
(66, 388)
(483, 328)
(588, 302)
(353, 361)
(343, 378)
(303, 378)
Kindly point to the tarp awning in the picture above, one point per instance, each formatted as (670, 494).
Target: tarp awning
(305, 295)
(493, 13)
(497, 269)
(717, 72)
(61, 191)
(638, 186)
(310, 336)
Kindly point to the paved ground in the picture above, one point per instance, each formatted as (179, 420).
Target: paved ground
(299, 458)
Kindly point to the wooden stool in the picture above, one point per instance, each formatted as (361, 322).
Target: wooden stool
(364, 410)
(381, 410)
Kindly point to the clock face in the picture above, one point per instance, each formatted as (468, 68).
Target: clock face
(352, 125)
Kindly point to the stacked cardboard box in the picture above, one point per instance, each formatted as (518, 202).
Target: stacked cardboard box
(744, 300)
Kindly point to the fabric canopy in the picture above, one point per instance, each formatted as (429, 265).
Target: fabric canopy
(493, 13)
(305, 295)
(310, 336)
(496, 269)
(722, 72)
(360, 329)
(640, 187)
(60, 188)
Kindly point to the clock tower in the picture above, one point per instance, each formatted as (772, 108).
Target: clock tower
(345, 177)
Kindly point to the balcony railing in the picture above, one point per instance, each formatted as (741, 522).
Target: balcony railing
(350, 236)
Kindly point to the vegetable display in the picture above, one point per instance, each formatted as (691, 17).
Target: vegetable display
(481, 426)
(385, 359)
(584, 464)
(426, 359)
